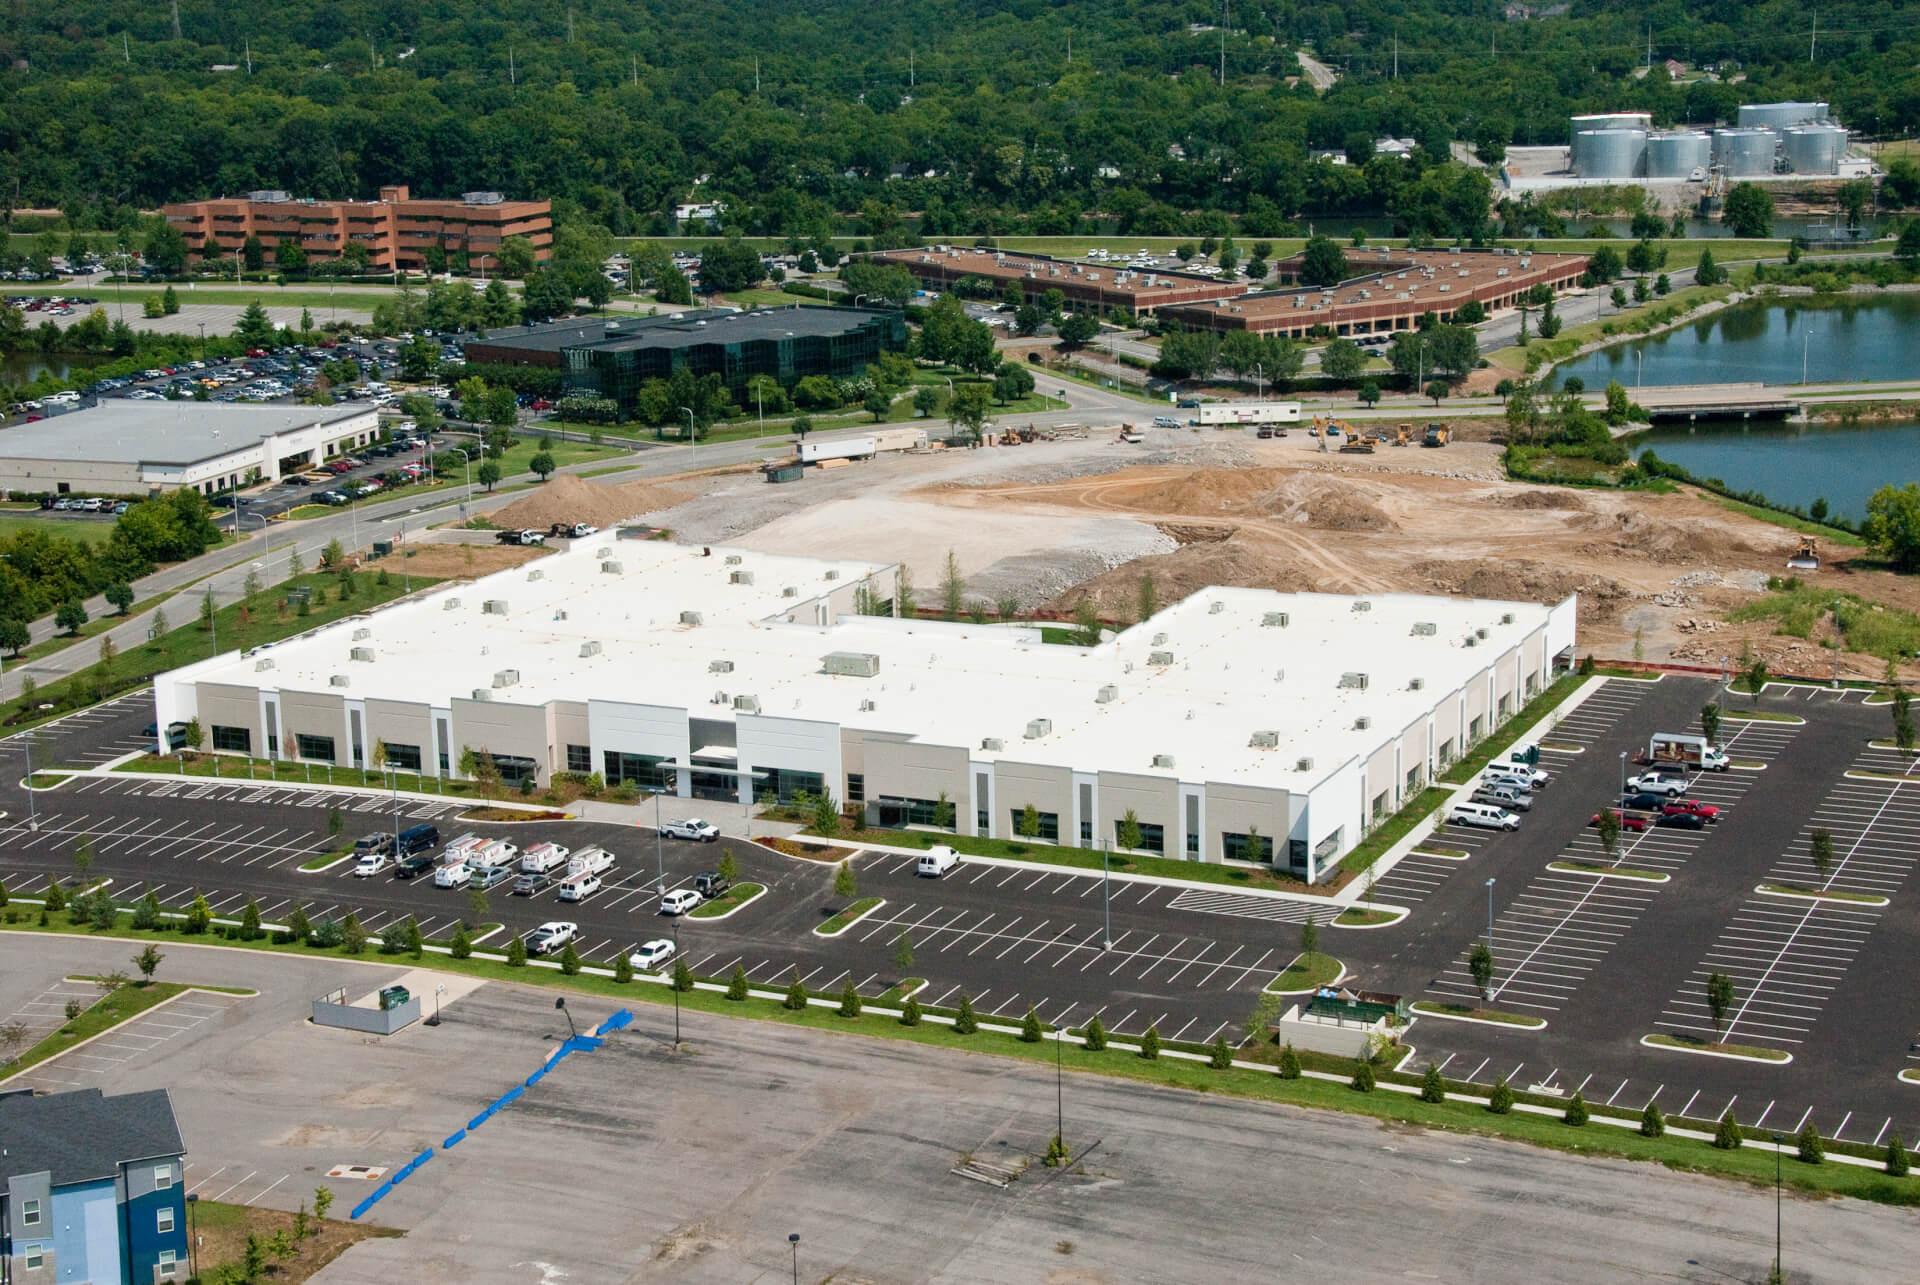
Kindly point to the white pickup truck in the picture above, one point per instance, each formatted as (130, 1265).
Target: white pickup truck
(590, 861)
(542, 857)
(1670, 784)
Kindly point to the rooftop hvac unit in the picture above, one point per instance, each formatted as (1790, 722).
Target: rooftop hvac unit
(1363, 605)
(361, 653)
(559, 615)
(1163, 760)
(505, 677)
(589, 649)
(740, 577)
(1480, 633)
(719, 698)
(1362, 723)
(1303, 765)
(833, 575)
(482, 694)
(1353, 679)
(1425, 629)
(719, 667)
(358, 634)
(1107, 695)
(535, 575)
(494, 607)
(747, 704)
(1264, 741)
(851, 664)
(1416, 684)
(867, 706)
(1038, 728)
(1159, 658)
(733, 559)
(690, 618)
(1471, 641)
(993, 743)
(339, 680)
(604, 552)
(1160, 640)
(611, 568)
(451, 604)
(1506, 617)
(1275, 620)
(791, 591)
(264, 663)
(1216, 607)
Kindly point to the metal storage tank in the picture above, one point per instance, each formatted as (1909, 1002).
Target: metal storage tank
(1610, 120)
(1814, 149)
(1745, 153)
(1610, 153)
(1678, 154)
(1780, 115)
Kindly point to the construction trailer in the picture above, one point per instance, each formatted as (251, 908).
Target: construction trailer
(1247, 413)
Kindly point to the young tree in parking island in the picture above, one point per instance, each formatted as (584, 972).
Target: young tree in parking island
(542, 464)
(1710, 722)
(148, 961)
(1820, 851)
(1609, 829)
(844, 884)
(1719, 1000)
(1480, 964)
(902, 953)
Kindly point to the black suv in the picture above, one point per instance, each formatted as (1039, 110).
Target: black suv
(411, 867)
(711, 884)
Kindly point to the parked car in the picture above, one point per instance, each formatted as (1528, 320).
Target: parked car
(418, 838)
(1628, 820)
(379, 842)
(414, 865)
(531, 885)
(489, 876)
(691, 828)
(578, 887)
(551, 937)
(1694, 807)
(371, 864)
(679, 901)
(937, 861)
(1504, 796)
(711, 884)
(1644, 802)
(1484, 815)
(1683, 820)
(453, 876)
(1658, 783)
(650, 955)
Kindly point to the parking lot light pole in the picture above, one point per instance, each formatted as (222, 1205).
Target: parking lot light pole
(1623, 774)
(33, 819)
(193, 1238)
(793, 1239)
(676, 985)
(1106, 895)
(560, 1002)
(659, 846)
(1489, 933)
(438, 991)
(1779, 1141)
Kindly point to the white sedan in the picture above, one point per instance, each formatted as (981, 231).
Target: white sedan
(650, 955)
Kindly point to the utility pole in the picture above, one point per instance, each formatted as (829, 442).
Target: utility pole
(910, 81)
(1226, 20)
(1813, 41)
(569, 26)
(176, 19)
(1396, 55)
(247, 44)
(511, 78)
(756, 74)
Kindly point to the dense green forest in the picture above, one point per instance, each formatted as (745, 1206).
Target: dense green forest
(977, 117)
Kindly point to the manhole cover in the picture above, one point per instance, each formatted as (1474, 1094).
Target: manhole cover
(364, 1173)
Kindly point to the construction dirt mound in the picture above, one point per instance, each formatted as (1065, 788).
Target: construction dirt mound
(1330, 503)
(567, 498)
(1525, 581)
(1674, 541)
(1539, 499)
(1233, 562)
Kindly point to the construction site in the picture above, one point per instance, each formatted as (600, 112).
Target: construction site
(1091, 514)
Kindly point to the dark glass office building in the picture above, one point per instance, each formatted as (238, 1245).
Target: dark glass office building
(616, 357)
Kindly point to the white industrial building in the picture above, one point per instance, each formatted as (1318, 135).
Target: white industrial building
(132, 448)
(1237, 724)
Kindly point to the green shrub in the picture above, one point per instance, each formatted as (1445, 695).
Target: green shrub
(1500, 1101)
(965, 1023)
(516, 952)
(1432, 1087)
(1150, 1044)
(1222, 1057)
(1577, 1114)
(849, 999)
(623, 969)
(796, 1000)
(327, 936)
(1030, 1032)
(910, 1012)
(737, 984)
(1896, 1157)
(1727, 1136)
(1096, 1036)
(1652, 1123)
(1363, 1081)
(1289, 1063)
(570, 961)
(462, 947)
(682, 976)
(1812, 1150)
(353, 938)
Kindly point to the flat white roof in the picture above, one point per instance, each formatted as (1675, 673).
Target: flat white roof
(1194, 683)
(163, 432)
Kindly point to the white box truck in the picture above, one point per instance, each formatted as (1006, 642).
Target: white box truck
(844, 448)
(1683, 747)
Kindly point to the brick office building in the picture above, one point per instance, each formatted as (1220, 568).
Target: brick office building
(396, 229)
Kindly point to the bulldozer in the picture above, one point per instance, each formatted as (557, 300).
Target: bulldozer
(1403, 435)
(1436, 435)
(1806, 557)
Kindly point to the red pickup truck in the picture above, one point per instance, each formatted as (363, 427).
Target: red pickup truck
(1692, 807)
(1628, 820)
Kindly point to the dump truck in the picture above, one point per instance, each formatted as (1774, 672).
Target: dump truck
(1436, 435)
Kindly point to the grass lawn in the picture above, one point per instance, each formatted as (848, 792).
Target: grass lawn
(72, 528)
(730, 900)
(1602, 868)
(1833, 535)
(47, 780)
(1821, 894)
(846, 918)
(268, 621)
(1435, 1009)
(233, 767)
(1508, 732)
(1395, 828)
(1750, 1165)
(1306, 973)
(1365, 917)
(1690, 1044)
(223, 1231)
(92, 629)
(120, 1005)
(325, 859)
(1758, 716)
(1626, 323)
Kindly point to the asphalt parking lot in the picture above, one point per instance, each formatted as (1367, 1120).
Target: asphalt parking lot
(1604, 961)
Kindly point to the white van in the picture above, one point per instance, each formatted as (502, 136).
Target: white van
(1484, 815)
(938, 860)
(542, 857)
(579, 887)
(496, 852)
(457, 852)
(590, 861)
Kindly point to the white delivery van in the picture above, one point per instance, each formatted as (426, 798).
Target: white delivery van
(938, 860)
(542, 857)
(457, 852)
(1484, 815)
(590, 861)
(579, 887)
(494, 852)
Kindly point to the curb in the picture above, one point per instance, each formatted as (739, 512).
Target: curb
(1477, 1021)
(1647, 1041)
(841, 930)
(732, 910)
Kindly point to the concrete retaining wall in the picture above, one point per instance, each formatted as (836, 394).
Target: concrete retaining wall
(372, 1020)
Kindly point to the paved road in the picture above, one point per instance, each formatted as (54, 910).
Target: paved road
(699, 1166)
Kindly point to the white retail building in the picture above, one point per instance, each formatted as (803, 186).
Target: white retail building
(1236, 724)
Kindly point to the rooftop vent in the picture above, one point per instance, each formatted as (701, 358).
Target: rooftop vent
(482, 694)
(264, 663)
(1163, 760)
(1275, 620)
(690, 618)
(993, 743)
(1215, 607)
(452, 604)
(1506, 617)
(1363, 605)
(747, 704)
(719, 698)
(611, 567)
(1264, 741)
(589, 649)
(1353, 679)
(505, 677)
(833, 575)
(1416, 684)
(1425, 629)
(740, 577)
(1362, 723)
(1471, 641)
(719, 667)
(851, 664)
(358, 634)
(1038, 728)
(1480, 634)
(791, 591)
(867, 706)
(1107, 695)
(339, 680)
(733, 559)
(494, 607)
(1160, 640)
(1303, 765)
(1159, 658)
(536, 574)
(361, 653)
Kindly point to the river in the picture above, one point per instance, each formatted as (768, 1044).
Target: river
(1795, 464)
